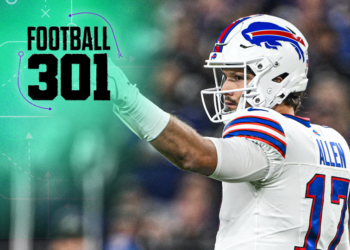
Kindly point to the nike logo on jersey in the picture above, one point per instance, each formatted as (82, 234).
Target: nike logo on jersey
(331, 154)
(316, 133)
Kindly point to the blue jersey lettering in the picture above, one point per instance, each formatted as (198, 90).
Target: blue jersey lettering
(325, 156)
(321, 154)
(335, 154)
(330, 159)
(337, 151)
(341, 155)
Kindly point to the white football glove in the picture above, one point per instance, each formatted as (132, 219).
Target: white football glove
(122, 92)
(138, 113)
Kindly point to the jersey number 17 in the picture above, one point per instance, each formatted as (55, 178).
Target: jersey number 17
(315, 191)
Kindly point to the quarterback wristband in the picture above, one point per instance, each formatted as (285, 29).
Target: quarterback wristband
(142, 117)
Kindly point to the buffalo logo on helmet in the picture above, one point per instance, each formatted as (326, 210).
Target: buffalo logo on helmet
(213, 56)
(269, 33)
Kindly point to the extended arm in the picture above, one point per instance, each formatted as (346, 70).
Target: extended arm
(233, 160)
(185, 148)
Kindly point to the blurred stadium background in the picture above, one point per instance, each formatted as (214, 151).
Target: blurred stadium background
(180, 210)
(139, 201)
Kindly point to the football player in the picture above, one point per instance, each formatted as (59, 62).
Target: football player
(285, 181)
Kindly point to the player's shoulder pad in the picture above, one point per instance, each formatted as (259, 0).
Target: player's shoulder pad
(261, 124)
(325, 130)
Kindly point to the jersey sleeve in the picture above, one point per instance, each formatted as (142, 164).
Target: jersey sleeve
(235, 161)
(259, 126)
(263, 128)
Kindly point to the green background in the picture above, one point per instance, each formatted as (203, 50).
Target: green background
(77, 142)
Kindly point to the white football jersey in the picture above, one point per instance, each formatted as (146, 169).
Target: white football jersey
(302, 204)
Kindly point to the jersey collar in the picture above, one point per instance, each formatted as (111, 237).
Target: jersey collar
(303, 120)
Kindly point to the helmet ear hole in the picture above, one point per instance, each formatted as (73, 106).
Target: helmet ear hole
(280, 78)
(250, 71)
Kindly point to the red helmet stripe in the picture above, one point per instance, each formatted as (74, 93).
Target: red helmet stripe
(278, 33)
(222, 35)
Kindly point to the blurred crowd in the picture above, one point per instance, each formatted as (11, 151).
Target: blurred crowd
(156, 206)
